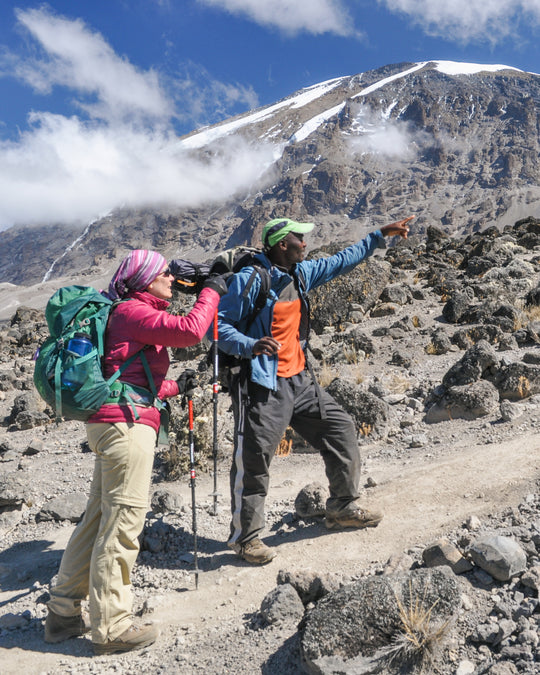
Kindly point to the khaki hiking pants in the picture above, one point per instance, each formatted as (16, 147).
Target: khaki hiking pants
(103, 548)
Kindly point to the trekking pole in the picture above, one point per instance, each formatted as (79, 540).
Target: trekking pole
(215, 389)
(192, 484)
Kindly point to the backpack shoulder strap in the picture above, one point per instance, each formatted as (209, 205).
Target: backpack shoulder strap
(264, 290)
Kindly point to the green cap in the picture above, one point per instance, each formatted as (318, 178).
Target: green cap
(278, 228)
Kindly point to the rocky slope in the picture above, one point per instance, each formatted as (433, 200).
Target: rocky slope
(433, 348)
(455, 144)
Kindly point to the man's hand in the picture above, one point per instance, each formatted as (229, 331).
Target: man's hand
(400, 228)
(266, 345)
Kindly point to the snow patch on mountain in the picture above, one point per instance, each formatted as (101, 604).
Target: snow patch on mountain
(315, 122)
(386, 80)
(207, 136)
(456, 68)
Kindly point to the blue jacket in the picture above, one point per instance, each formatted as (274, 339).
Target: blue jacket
(238, 338)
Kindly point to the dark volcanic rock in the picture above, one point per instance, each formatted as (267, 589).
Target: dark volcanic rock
(474, 364)
(518, 380)
(369, 411)
(502, 557)
(332, 303)
(468, 401)
(361, 619)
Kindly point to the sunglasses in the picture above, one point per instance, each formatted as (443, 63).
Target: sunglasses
(166, 273)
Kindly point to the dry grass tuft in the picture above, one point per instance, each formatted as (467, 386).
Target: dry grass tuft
(365, 429)
(352, 356)
(532, 312)
(420, 637)
(174, 462)
(359, 373)
(397, 383)
(524, 387)
(326, 375)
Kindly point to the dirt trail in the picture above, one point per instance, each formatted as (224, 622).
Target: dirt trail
(423, 497)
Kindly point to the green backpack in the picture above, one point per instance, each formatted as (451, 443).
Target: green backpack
(71, 382)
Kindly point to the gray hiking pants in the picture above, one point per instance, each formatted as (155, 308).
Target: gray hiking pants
(261, 417)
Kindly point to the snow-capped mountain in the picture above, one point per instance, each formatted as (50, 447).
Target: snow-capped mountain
(456, 144)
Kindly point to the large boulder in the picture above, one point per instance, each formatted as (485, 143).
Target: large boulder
(459, 305)
(465, 338)
(468, 402)
(332, 303)
(370, 413)
(380, 624)
(477, 362)
(517, 380)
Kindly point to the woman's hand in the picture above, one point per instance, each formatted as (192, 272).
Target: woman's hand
(187, 382)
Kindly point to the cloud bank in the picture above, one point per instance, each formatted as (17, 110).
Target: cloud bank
(293, 16)
(464, 21)
(116, 150)
(65, 171)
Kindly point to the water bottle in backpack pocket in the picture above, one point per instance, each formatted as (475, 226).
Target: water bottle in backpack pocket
(75, 367)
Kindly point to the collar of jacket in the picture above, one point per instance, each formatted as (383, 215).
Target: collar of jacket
(148, 299)
(265, 260)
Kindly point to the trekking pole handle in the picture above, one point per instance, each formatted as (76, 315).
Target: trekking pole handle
(190, 413)
(191, 444)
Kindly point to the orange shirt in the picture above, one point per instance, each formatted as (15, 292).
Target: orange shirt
(286, 330)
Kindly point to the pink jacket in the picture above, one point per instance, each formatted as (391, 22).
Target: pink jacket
(141, 321)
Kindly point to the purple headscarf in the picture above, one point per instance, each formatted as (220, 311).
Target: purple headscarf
(136, 272)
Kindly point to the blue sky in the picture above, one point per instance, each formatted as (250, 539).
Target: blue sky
(92, 91)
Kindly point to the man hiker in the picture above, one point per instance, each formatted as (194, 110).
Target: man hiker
(274, 389)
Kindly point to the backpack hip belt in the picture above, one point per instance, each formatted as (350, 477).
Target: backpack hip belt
(124, 393)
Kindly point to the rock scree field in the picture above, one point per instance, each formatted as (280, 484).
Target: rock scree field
(437, 360)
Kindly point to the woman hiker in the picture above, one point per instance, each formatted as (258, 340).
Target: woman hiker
(100, 555)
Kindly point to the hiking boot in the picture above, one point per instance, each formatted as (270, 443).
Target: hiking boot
(59, 628)
(254, 551)
(135, 637)
(353, 516)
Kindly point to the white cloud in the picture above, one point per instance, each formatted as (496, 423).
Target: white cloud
(117, 152)
(81, 60)
(386, 139)
(465, 21)
(65, 171)
(293, 16)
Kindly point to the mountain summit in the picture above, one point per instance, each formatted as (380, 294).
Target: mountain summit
(456, 144)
